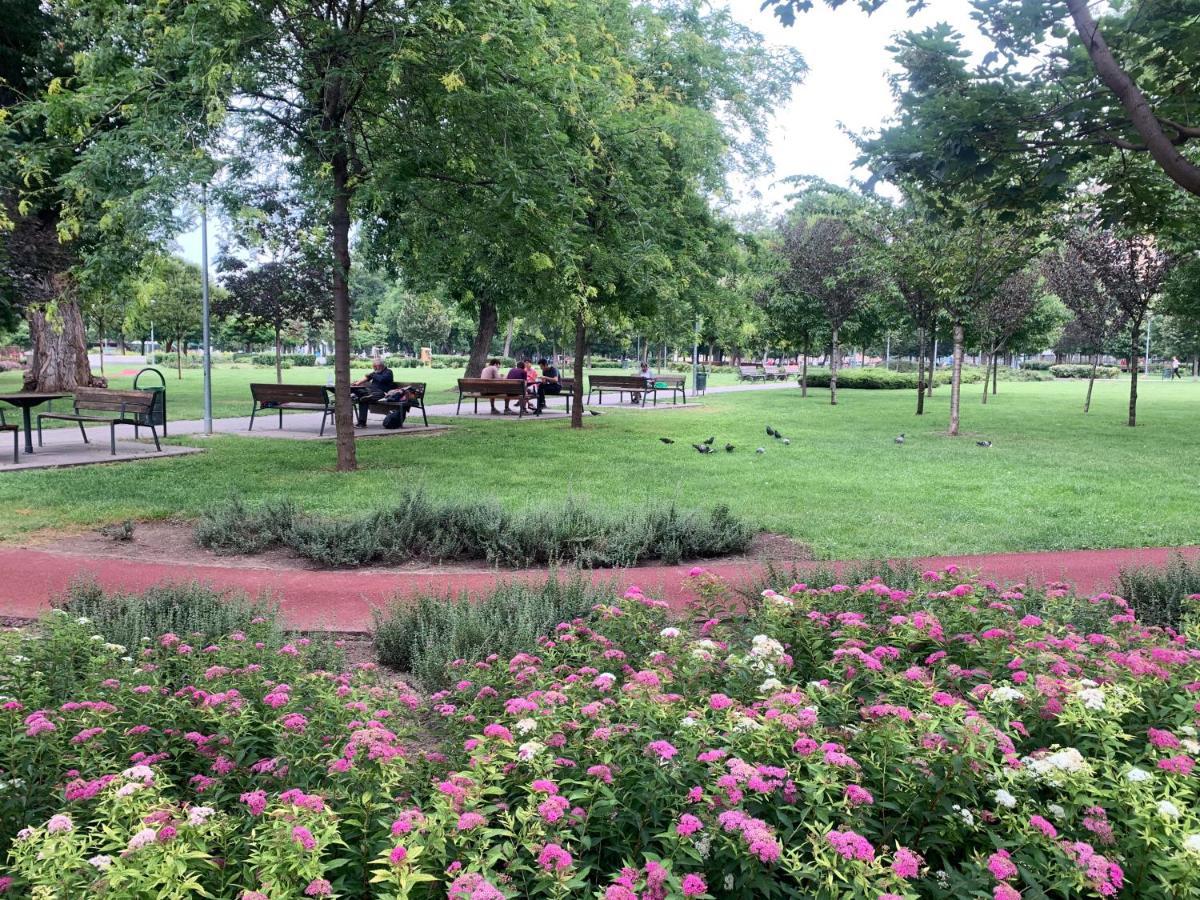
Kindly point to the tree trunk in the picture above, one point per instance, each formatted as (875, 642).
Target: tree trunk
(956, 378)
(987, 374)
(100, 329)
(485, 332)
(1162, 148)
(1195, 365)
(995, 369)
(508, 340)
(921, 372)
(278, 357)
(932, 367)
(1133, 372)
(1087, 403)
(804, 371)
(833, 370)
(577, 370)
(343, 415)
(179, 358)
(58, 362)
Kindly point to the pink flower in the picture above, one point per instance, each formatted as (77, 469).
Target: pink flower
(688, 825)
(851, 845)
(603, 773)
(498, 732)
(398, 855)
(905, 863)
(1001, 866)
(1043, 826)
(1005, 892)
(544, 786)
(554, 859)
(469, 820)
(1179, 765)
(304, 838)
(858, 795)
(59, 823)
(664, 750)
(256, 800)
(1162, 739)
(693, 885)
(318, 887)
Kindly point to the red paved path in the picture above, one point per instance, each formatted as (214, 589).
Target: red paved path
(343, 600)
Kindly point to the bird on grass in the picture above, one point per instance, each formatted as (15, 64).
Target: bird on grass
(761, 450)
(710, 440)
(983, 444)
(703, 448)
(786, 442)
(900, 438)
(666, 440)
(778, 435)
(592, 412)
(729, 448)
(771, 432)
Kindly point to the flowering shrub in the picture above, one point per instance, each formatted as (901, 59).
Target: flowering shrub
(956, 740)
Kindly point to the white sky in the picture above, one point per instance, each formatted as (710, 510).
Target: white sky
(848, 65)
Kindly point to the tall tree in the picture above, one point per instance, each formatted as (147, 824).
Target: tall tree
(168, 295)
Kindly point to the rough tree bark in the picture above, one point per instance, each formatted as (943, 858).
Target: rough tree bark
(921, 372)
(577, 370)
(1087, 403)
(987, 374)
(956, 378)
(932, 367)
(59, 361)
(485, 333)
(343, 417)
(995, 369)
(278, 355)
(804, 370)
(1178, 167)
(833, 370)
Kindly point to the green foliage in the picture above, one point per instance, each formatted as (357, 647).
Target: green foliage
(424, 636)
(420, 527)
(876, 379)
(1037, 365)
(196, 613)
(1162, 595)
(1084, 371)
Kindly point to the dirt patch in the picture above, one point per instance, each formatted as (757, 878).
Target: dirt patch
(173, 542)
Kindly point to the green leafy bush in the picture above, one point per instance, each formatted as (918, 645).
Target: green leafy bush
(876, 379)
(424, 636)
(189, 609)
(1161, 595)
(419, 527)
(1084, 371)
(1036, 365)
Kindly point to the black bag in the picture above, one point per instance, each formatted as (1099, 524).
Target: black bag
(394, 419)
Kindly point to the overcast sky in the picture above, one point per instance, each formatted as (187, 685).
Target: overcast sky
(848, 65)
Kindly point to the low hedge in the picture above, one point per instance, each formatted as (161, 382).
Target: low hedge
(1084, 371)
(1037, 365)
(419, 527)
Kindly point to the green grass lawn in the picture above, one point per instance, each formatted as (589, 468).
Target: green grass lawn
(1054, 479)
(231, 392)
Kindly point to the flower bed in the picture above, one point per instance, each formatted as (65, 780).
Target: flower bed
(956, 741)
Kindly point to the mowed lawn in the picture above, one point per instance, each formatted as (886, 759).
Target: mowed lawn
(1053, 479)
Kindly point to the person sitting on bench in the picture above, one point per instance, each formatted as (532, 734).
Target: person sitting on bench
(492, 372)
(403, 399)
(548, 383)
(371, 388)
(516, 373)
(647, 375)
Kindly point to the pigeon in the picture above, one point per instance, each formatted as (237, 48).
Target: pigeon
(666, 440)
(786, 442)
(770, 431)
(778, 435)
(761, 450)
(900, 438)
(592, 412)
(703, 448)
(983, 443)
(710, 440)
(729, 448)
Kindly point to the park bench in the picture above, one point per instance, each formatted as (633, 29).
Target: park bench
(621, 384)
(279, 397)
(491, 389)
(790, 371)
(111, 408)
(382, 407)
(567, 392)
(774, 372)
(16, 433)
(676, 384)
(750, 373)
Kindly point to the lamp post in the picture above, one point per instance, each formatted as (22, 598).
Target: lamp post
(695, 352)
(204, 295)
(1149, 324)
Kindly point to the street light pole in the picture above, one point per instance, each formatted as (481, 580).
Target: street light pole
(695, 353)
(204, 294)
(1149, 323)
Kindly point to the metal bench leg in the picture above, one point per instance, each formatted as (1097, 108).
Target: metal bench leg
(281, 418)
(39, 424)
(112, 438)
(458, 409)
(82, 431)
(16, 447)
(157, 445)
(324, 419)
(424, 418)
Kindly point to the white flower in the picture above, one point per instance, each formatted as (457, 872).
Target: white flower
(669, 632)
(967, 815)
(1068, 760)
(197, 814)
(138, 773)
(127, 659)
(705, 644)
(18, 659)
(1005, 799)
(1168, 809)
(703, 844)
(530, 749)
(771, 684)
(84, 620)
(126, 789)
(1137, 775)
(745, 724)
(1191, 746)
(765, 647)
(1091, 698)
(98, 638)
(943, 879)
(115, 648)
(524, 726)
(687, 722)
(1004, 693)
(1057, 811)
(729, 882)
(1191, 843)
(101, 862)
(1088, 683)
(1189, 730)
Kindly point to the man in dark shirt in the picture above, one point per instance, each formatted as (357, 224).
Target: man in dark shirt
(371, 388)
(516, 373)
(547, 384)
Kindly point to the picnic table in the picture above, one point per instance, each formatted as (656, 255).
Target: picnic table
(26, 401)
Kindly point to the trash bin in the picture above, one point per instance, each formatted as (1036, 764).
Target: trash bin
(701, 382)
(158, 418)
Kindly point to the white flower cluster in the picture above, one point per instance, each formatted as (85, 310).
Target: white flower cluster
(1052, 767)
(530, 749)
(704, 649)
(1004, 694)
(14, 783)
(765, 652)
(1168, 810)
(1091, 698)
(1005, 799)
(669, 632)
(776, 598)
(1191, 843)
(524, 726)
(1137, 775)
(966, 814)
